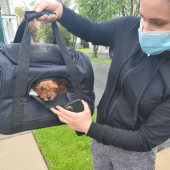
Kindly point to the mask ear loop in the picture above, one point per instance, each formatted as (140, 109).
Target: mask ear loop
(141, 25)
(141, 32)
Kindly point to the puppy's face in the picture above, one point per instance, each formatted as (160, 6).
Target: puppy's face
(46, 90)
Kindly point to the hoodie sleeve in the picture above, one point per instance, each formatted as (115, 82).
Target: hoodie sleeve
(151, 134)
(98, 33)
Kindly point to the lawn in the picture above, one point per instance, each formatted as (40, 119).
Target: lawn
(63, 149)
(102, 60)
(84, 50)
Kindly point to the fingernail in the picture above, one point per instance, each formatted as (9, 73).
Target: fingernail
(37, 10)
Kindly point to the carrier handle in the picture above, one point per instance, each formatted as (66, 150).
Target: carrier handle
(23, 71)
(29, 16)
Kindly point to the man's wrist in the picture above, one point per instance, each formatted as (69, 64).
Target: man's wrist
(59, 10)
(88, 127)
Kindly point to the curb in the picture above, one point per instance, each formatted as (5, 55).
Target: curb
(3, 137)
(40, 150)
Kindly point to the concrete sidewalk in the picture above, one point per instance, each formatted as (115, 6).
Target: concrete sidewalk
(163, 160)
(20, 152)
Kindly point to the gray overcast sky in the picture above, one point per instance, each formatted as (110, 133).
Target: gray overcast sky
(16, 2)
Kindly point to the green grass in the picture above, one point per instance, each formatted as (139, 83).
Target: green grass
(63, 149)
(102, 60)
(84, 50)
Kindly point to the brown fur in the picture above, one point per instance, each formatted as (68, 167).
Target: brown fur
(47, 90)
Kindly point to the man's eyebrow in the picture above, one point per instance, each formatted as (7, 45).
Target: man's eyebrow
(153, 18)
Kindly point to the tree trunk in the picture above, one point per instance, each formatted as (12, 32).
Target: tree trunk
(95, 49)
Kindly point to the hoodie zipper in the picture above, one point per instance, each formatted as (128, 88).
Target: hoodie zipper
(122, 84)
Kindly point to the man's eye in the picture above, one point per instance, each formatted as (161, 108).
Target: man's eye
(159, 24)
(42, 88)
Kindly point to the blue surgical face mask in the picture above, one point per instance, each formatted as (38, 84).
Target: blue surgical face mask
(154, 42)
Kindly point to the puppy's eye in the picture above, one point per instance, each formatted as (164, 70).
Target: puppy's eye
(42, 88)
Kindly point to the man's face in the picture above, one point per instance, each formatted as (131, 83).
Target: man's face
(155, 15)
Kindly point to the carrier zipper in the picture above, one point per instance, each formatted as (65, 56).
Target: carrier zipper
(121, 86)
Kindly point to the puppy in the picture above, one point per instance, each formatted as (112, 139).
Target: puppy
(47, 90)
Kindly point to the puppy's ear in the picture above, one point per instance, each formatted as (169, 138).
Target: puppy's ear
(57, 82)
(65, 83)
(56, 85)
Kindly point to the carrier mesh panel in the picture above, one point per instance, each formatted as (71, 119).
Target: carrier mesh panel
(40, 53)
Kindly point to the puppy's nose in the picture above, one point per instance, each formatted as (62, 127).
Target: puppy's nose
(49, 97)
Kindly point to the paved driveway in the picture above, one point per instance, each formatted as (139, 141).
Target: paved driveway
(100, 78)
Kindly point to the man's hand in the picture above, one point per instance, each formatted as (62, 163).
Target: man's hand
(78, 121)
(52, 6)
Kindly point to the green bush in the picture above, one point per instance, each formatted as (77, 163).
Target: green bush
(84, 44)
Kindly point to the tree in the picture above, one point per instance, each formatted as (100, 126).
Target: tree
(84, 44)
(100, 10)
(103, 10)
(32, 25)
(43, 29)
(127, 7)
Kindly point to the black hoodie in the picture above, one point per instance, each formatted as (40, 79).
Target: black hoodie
(134, 112)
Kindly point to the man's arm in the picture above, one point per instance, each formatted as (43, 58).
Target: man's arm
(151, 134)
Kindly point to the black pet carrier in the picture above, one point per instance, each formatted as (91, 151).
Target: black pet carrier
(23, 63)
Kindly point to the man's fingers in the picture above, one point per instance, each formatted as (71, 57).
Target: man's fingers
(62, 109)
(36, 5)
(54, 110)
(86, 106)
(41, 6)
(58, 112)
(42, 18)
(51, 18)
(63, 120)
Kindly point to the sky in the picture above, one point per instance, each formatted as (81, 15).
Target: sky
(17, 2)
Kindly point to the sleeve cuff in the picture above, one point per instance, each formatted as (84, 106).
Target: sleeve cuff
(95, 131)
(65, 16)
